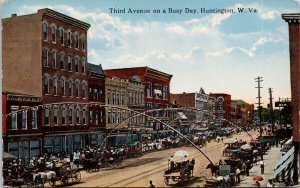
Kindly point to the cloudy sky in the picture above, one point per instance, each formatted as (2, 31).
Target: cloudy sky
(219, 52)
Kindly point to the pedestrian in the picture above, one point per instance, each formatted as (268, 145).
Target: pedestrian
(222, 139)
(151, 184)
(262, 167)
(270, 183)
(238, 173)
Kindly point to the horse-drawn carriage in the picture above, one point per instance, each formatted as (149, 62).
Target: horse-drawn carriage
(179, 171)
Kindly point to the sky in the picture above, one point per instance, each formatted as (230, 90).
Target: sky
(222, 53)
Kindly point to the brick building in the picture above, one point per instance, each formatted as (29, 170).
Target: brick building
(293, 21)
(52, 49)
(22, 127)
(96, 83)
(242, 113)
(156, 91)
(222, 108)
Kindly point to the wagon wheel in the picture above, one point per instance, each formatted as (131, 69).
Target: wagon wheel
(166, 180)
(76, 177)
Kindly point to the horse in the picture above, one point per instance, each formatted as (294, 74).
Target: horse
(214, 169)
(45, 177)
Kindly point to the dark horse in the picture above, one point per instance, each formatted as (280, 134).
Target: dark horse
(214, 169)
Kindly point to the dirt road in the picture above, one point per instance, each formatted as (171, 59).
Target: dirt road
(137, 172)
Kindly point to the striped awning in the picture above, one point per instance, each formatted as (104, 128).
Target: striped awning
(285, 163)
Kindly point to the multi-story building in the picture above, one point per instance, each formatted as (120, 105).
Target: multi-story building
(136, 102)
(156, 91)
(242, 113)
(293, 20)
(21, 125)
(96, 83)
(116, 92)
(47, 53)
(198, 100)
(222, 108)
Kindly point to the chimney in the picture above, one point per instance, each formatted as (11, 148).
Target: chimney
(14, 15)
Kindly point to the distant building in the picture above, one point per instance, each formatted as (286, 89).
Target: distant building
(156, 91)
(222, 108)
(242, 113)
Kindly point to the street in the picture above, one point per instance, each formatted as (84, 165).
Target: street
(137, 172)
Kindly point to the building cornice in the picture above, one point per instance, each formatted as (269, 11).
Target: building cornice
(293, 18)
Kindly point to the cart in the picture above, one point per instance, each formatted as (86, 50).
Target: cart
(66, 176)
(178, 175)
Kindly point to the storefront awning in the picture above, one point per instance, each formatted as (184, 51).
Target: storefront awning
(284, 163)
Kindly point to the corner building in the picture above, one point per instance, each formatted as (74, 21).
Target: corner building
(156, 91)
(45, 55)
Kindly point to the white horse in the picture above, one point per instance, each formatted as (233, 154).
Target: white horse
(45, 176)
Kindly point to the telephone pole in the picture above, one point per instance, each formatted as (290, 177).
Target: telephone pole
(258, 80)
(271, 109)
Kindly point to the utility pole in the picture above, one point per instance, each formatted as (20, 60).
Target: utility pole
(258, 80)
(271, 109)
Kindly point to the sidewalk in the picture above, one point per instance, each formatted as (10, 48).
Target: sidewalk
(270, 160)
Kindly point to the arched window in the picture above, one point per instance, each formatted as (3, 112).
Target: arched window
(46, 85)
(63, 86)
(53, 33)
(55, 115)
(47, 116)
(70, 88)
(84, 89)
(76, 64)
(62, 31)
(63, 116)
(83, 42)
(77, 88)
(83, 66)
(70, 63)
(76, 40)
(84, 115)
(62, 61)
(53, 58)
(45, 31)
(55, 92)
(71, 116)
(77, 116)
(69, 38)
(45, 57)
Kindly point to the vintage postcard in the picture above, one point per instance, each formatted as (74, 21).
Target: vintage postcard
(149, 93)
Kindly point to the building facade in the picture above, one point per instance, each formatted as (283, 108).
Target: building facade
(21, 122)
(222, 108)
(156, 92)
(293, 21)
(53, 49)
(242, 113)
(97, 120)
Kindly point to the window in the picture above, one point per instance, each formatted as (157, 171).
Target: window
(45, 31)
(76, 64)
(77, 116)
(70, 88)
(83, 43)
(46, 85)
(101, 116)
(53, 58)
(53, 32)
(70, 116)
(61, 36)
(148, 108)
(84, 117)
(14, 118)
(96, 118)
(83, 90)
(63, 87)
(34, 119)
(83, 66)
(96, 94)
(122, 99)
(55, 85)
(157, 109)
(108, 118)
(55, 115)
(157, 92)
(63, 117)
(91, 118)
(77, 89)
(118, 99)
(165, 92)
(62, 63)
(45, 57)
(113, 98)
(47, 116)
(149, 89)
(76, 41)
(24, 119)
(69, 38)
(165, 111)
(108, 97)
(70, 63)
